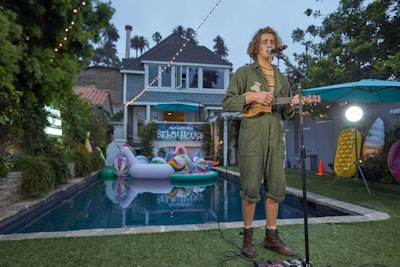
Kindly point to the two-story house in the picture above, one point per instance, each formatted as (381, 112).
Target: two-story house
(178, 85)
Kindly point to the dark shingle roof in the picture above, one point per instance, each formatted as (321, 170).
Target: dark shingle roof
(168, 49)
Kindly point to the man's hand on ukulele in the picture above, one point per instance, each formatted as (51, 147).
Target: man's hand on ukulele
(296, 100)
(264, 98)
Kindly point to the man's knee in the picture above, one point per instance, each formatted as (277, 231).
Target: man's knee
(253, 198)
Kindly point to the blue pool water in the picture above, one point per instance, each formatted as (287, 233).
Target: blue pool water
(113, 203)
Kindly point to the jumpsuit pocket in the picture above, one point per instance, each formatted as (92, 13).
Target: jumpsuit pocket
(249, 137)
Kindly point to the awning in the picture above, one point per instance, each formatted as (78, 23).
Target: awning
(368, 90)
(178, 107)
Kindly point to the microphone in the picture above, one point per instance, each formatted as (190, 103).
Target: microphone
(277, 49)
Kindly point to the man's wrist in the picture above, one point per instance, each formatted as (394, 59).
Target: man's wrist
(289, 110)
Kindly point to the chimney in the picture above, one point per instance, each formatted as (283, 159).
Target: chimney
(128, 29)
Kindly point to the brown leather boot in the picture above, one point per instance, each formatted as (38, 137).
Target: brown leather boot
(248, 249)
(274, 243)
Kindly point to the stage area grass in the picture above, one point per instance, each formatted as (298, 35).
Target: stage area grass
(336, 244)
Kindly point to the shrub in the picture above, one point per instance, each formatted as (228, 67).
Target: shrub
(376, 167)
(83, 163)
(37, 175)
(58, 156)
(6, 163)
(147, 134)
(97, 160)
(4, 169)
(60, 170)
(119, 116)
(207, 144)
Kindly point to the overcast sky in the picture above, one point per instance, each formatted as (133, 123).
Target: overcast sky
(236, 21)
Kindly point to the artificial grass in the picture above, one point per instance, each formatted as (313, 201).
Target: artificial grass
(339, 244)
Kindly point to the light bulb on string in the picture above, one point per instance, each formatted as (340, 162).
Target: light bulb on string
(66, 30)
(177, 54)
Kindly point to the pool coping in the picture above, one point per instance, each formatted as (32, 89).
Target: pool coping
(359, 214)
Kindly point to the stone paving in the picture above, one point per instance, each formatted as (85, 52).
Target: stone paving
(12, 203)
(9, 189)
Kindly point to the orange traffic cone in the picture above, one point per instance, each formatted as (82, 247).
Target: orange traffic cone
(321, 170)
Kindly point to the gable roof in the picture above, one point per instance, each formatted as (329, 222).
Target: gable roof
(95, 96)
(168, 48)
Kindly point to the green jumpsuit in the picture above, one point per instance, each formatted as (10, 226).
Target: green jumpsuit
(262, 147)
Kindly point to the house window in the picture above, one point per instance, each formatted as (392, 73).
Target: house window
(153, 73)
(184, 78)
(179, 77)
(181, 81)
(163, 73)
(193, 77)
(166, 76)
(213, 78)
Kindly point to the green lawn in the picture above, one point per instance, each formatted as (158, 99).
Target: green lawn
(339, 244)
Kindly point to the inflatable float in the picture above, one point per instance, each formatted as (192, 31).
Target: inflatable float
(193, 183)
(123, 191)
(156, 169)
(345, 158)
(107, 173)
(118, 191)
(375, 139)
(176, 165)
(196, 176)
(394, 160)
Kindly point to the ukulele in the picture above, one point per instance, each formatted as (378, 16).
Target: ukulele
(255, 109)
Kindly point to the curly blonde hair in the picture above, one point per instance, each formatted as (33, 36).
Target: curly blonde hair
(252, 49)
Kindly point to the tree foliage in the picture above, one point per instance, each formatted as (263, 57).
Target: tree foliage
(188, 33)
(10, 55)
(82, 120)
(147, 134)
(157, 37)
(139, 43)
(106, 54)
(220, 49)
(44, 45)
(356, 41)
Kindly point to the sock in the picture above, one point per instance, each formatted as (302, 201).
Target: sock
(247, 227)
(270, 227)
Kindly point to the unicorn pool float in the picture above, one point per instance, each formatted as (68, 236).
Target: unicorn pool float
(119, 192)
(140, 167)
(123, 191)
(176, 162)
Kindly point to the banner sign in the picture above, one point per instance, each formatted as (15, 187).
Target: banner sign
(54, 119)
(179, 132)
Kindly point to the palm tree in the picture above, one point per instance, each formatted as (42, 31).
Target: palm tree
(143, 44)
(157, 37)
(220, 48)
(188, 34)
(106, 54)
(191, 35)
(180, 31)
(111, 34)
(139, 43)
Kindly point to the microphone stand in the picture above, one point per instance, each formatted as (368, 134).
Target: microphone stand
(302, 156)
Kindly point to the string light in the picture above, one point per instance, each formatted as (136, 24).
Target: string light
(174, 57)
(66, 30)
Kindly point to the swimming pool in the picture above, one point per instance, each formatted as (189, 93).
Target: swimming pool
(120, 203)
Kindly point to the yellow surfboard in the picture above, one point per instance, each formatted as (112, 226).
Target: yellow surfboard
(345, 158)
